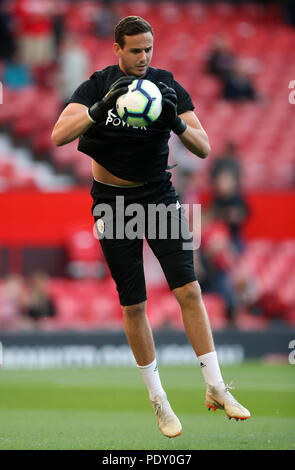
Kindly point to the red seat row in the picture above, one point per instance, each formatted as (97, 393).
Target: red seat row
(185, 34)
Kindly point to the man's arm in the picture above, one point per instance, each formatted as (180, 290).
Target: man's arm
(76, 118)
(194, 138)
(186, 125)
(72, 122)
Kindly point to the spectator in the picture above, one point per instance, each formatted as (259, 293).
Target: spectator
(232, 72)
(189, 182)
(187, 175)
(40, 304)
(74, 65)
(216, 264)
(229, 205)
(13, 302)
(222, 59)
(34, 30)
(264, 304)
(106, 21)
(190, 187)
(58, 21)
(248, 292)
(215, 260)
(6, 36)
(228, 160)
(17, 75)
(237, 85)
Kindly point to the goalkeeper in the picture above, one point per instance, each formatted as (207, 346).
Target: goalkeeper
(131, 163)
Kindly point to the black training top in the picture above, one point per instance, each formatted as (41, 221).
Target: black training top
(135, 154)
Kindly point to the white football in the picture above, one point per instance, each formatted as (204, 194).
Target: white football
(141, 105)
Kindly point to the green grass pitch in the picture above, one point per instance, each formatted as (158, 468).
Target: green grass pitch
(108, 408)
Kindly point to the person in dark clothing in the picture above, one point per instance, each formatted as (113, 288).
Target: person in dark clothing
(221, 59)
(7, 43)
(229, 205)
(237, 85)
(40, 305)
(228, 160)
(131, 162)
(216, 260)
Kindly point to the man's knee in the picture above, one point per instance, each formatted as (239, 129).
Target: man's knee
(189, 293)
(134, 310)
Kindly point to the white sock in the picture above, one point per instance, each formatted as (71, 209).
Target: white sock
(151, 377)
(210, 368)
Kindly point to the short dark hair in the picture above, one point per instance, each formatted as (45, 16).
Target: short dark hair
(130, 26)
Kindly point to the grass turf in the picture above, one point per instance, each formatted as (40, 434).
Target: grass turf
(108, 408)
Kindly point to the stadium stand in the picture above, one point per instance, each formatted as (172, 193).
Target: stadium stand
(269, 264)
(263, 131)
(188, 32)
(89, 303)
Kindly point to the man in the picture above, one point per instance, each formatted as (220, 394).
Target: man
(132, 162)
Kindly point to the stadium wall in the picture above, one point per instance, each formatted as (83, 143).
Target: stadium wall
(42, 219)
(35, 224)
(110, 348)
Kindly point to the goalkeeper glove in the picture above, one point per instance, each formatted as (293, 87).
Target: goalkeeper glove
(169, 109)
(97, 111)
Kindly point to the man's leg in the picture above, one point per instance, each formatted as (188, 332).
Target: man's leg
(140, 339)
(198, 330)
(125, 261)
(195, 318)
(139, 333)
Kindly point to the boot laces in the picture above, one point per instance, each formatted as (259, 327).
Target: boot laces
(233, 400)
(158, 408)
(229, 386)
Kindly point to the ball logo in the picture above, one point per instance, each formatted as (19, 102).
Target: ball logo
(141, 105)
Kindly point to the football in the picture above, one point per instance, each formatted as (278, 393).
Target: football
(141, 105)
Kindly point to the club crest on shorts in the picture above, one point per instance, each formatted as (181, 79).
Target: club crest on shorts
(100, 225)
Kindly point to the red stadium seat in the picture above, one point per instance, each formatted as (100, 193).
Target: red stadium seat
(263, 129)
(246, 321)
(81, 245)
(84, 254)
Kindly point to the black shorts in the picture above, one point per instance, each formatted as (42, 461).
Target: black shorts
(123, 252)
